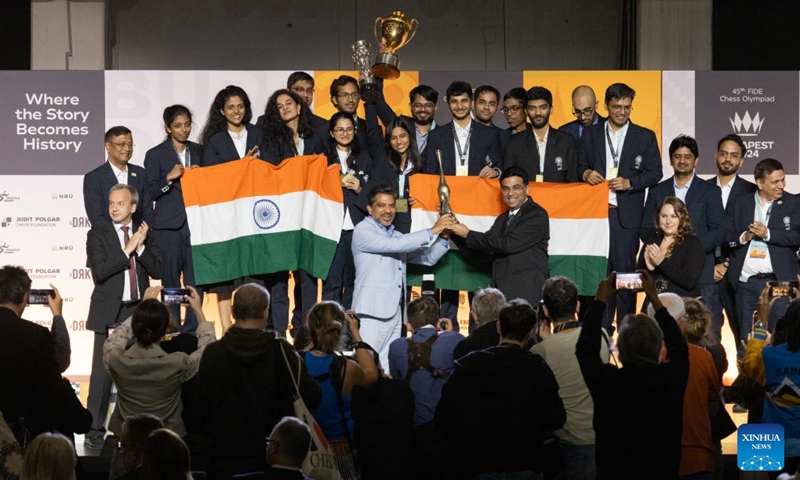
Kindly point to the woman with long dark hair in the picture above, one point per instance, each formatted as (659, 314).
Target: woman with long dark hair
(165, 164)
(228, 135)
(356, 166)
(674, 255)
(394, 164)
(287, 129)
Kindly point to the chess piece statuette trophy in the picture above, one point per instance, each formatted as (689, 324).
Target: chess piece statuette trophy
(362, 57)
(443, 189)
(392, 33)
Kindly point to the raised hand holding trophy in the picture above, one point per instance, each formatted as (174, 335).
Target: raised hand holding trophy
(362, 57)
(395, 32)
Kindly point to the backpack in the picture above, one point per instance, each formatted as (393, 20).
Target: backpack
(419, 358)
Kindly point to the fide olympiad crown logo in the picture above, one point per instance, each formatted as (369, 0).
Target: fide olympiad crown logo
(747, 126)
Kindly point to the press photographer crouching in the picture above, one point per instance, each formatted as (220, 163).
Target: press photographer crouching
(148, 379)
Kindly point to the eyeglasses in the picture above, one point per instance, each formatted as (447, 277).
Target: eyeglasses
(586, 112)
(267, 441)
(351, 95)
(515, 188)
(620, 108)
(121, 446)
(124, 146)
(511, 109)
(732, 155)
(344, 131)
(422, 106)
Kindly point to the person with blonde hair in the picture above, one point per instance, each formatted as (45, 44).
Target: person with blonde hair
(50, 456)
(701, 397)
(337, 377)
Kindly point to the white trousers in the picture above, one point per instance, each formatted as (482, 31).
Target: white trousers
(379, 333)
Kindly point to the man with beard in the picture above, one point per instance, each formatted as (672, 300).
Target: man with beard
(626, 156)
(302, 84)
(546, 154)
(487, 101)
(584, 107)
(730, 157)
(345, 97)
(422, 101)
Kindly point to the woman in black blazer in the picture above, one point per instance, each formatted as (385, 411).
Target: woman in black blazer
(165, 164)
(395, 161)
(228, 135)
(287, 129)
(674, 255)
(356, 167)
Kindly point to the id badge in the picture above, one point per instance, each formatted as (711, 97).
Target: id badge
(759, 250)
(401, 205)
(613, 172)
(462, 170)
(539, 178)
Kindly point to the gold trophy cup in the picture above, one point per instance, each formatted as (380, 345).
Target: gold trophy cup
(395, 33)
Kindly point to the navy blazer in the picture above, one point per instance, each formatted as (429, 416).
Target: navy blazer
(484, 149)
(220, 148)
(704, 202)
(740, 188)
(97, 184)
(574, 127)
(356, 203)
(784, 232)
(640, 162)
(561, 156)
(170, 211)
(313, 144)
(109, 265)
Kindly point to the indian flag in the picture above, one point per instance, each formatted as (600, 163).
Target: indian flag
(578, 246)
(250, 217)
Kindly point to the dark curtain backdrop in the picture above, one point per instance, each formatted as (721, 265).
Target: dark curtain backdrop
(15, 35)
(756, 35)
(464, 35)
(628, 52)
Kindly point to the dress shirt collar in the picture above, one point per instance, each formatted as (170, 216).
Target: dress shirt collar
(516, 210)
(389, 230)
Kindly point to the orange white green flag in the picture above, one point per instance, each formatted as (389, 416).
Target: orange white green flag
(579, 236)
(249, 217)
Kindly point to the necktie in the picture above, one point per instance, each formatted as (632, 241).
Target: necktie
(131, 266)
(510, 219)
